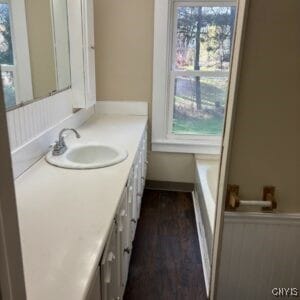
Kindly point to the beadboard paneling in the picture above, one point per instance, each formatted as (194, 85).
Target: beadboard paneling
(259, 252)
(27, 122)
(34, 127)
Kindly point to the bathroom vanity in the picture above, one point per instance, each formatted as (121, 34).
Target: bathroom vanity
(77, 226)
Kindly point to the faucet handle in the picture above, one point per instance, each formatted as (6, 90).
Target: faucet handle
(60, 146)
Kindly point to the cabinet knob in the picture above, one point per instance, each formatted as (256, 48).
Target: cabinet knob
(133, 221)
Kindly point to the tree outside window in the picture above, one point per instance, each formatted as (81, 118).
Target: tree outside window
(6, 55)
(202, 51)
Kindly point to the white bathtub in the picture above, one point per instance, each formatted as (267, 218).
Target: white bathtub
(205, 194)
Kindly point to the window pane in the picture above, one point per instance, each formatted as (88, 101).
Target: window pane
(204, 38)
(6, 50)
(199, 105)
(9, 89)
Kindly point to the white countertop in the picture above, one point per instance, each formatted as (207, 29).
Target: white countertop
(65, 215)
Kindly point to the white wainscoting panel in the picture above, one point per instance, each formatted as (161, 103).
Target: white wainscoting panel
(32, 128)
(259, 252)
(29, 121)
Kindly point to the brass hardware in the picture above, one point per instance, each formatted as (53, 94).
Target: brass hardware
(233, 201)
(269, 195)
(232, 198)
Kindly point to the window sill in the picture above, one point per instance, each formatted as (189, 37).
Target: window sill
(187, 146)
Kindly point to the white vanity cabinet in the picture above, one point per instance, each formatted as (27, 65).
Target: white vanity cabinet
(109, 267)
(124, 241)
(115, 260)
(131, 196)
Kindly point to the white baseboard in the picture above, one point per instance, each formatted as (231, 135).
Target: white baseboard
(29, 153)
(137, 108)
(202, 242)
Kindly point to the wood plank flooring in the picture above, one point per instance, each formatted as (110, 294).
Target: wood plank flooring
(166, 262)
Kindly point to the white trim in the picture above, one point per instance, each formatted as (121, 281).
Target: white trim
(23, 82)
(138, 108)
(11, 266)
(60, 36)
(186, 146)
(160, 69)
(82, 54)
(76, 53)
(163, 85)
(89, 52)
(275, 218)
(242, 9)
(202, 243)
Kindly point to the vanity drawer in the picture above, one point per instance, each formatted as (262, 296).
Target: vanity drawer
(109, 268)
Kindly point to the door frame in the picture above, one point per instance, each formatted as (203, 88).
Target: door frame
(242, 11)
(12, 279)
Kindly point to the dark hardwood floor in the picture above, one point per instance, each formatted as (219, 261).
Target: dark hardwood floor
(166, 262)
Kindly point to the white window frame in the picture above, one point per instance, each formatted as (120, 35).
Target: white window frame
(163, 90)
(21, 68)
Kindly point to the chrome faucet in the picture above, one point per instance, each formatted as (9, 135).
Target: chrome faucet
(60, 146)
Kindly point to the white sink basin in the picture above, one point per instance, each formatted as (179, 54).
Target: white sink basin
(88, 156)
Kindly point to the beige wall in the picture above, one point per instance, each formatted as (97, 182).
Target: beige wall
(124, 44)
(40, 37)
(266, 142)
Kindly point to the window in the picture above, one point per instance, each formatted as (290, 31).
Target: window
(14, 53)
(6, 55)
(191, 77)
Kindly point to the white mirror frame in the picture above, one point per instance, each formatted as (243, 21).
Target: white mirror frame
(82, 52)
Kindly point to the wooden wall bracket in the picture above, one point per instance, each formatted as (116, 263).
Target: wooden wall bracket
(233, 200)
(232, 197)
(269, 195)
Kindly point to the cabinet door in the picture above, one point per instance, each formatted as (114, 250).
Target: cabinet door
(130, 197)
(144, 160)
(95, 290)
(140, 183)
(135, 198)
(109, 268)
(124, 243)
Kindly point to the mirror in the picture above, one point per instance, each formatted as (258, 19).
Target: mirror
(34, 49)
